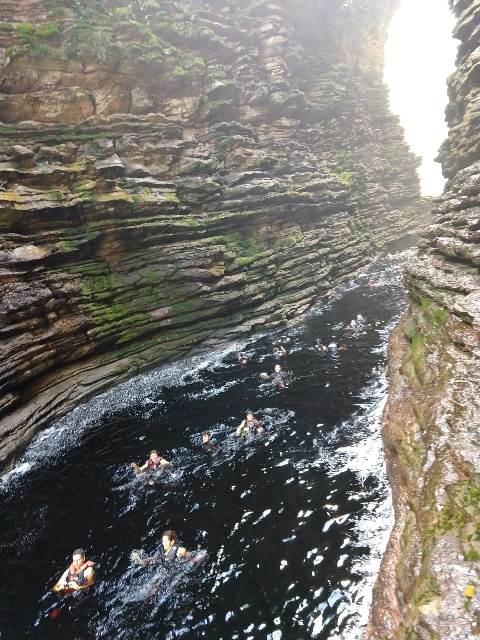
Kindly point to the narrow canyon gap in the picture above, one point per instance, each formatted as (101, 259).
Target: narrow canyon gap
(420, 54)
(142, 221)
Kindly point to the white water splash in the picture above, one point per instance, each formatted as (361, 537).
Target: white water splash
(364, 458)
(143, 391)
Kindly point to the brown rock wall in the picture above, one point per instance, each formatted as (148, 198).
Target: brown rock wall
(431, 426)
(175, 173)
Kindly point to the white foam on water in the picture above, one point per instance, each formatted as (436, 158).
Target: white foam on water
(153, 585)
(140, 392)
(364, 457)
(211, 391)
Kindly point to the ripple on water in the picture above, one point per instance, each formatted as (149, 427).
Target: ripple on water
(294, 520)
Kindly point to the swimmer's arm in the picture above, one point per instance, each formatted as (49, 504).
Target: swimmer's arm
(239, 430)
(146, 561)
(139, 469)
(61, 584)
(90, 576)
(183, 553)
(258, 426)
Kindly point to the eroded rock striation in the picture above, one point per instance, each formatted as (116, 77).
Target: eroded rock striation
(429, 585)
(176, 173)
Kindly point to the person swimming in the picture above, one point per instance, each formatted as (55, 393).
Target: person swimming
(242, 358)
(279, 351)
(170, 547)
(283, 341)
(170, 550)
(277, 377)
(209, 444)
(355, 325)
(249, 425)
(78, 576)
(155, 462)
(320, 346)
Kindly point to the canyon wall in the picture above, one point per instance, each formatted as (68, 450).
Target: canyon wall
(177, 173)
(430, 578)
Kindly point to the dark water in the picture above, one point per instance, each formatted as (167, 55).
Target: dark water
(293, 521)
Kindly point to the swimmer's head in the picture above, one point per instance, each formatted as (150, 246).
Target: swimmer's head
(249, 414)
(278, 368)
(169, 538)
(206, 436)
(78, 557)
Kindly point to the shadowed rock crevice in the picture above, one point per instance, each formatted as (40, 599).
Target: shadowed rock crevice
(182, 173)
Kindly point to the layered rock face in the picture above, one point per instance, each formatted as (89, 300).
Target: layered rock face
(430, 581)
(181, 173)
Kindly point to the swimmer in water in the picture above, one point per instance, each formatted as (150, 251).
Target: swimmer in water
(209, 444)
(79, 576)
(283, 341)
(169, 550)
(332, 347)
(278, 377)
(279, 351)
(343, 347)
(155, 462)
(351, 328)
(249, 425)
(319, 346)
(242, 358)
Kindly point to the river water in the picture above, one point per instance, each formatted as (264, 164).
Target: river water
(293, 521)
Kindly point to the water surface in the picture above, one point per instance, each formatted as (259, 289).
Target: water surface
(293, 521)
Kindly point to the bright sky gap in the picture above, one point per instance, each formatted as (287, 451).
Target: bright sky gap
(420, 55)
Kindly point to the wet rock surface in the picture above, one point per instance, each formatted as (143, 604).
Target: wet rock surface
(428, 585)
(181, 173)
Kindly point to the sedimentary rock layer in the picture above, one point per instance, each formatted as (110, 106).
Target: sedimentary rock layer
(429, 582)
(175, 173)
